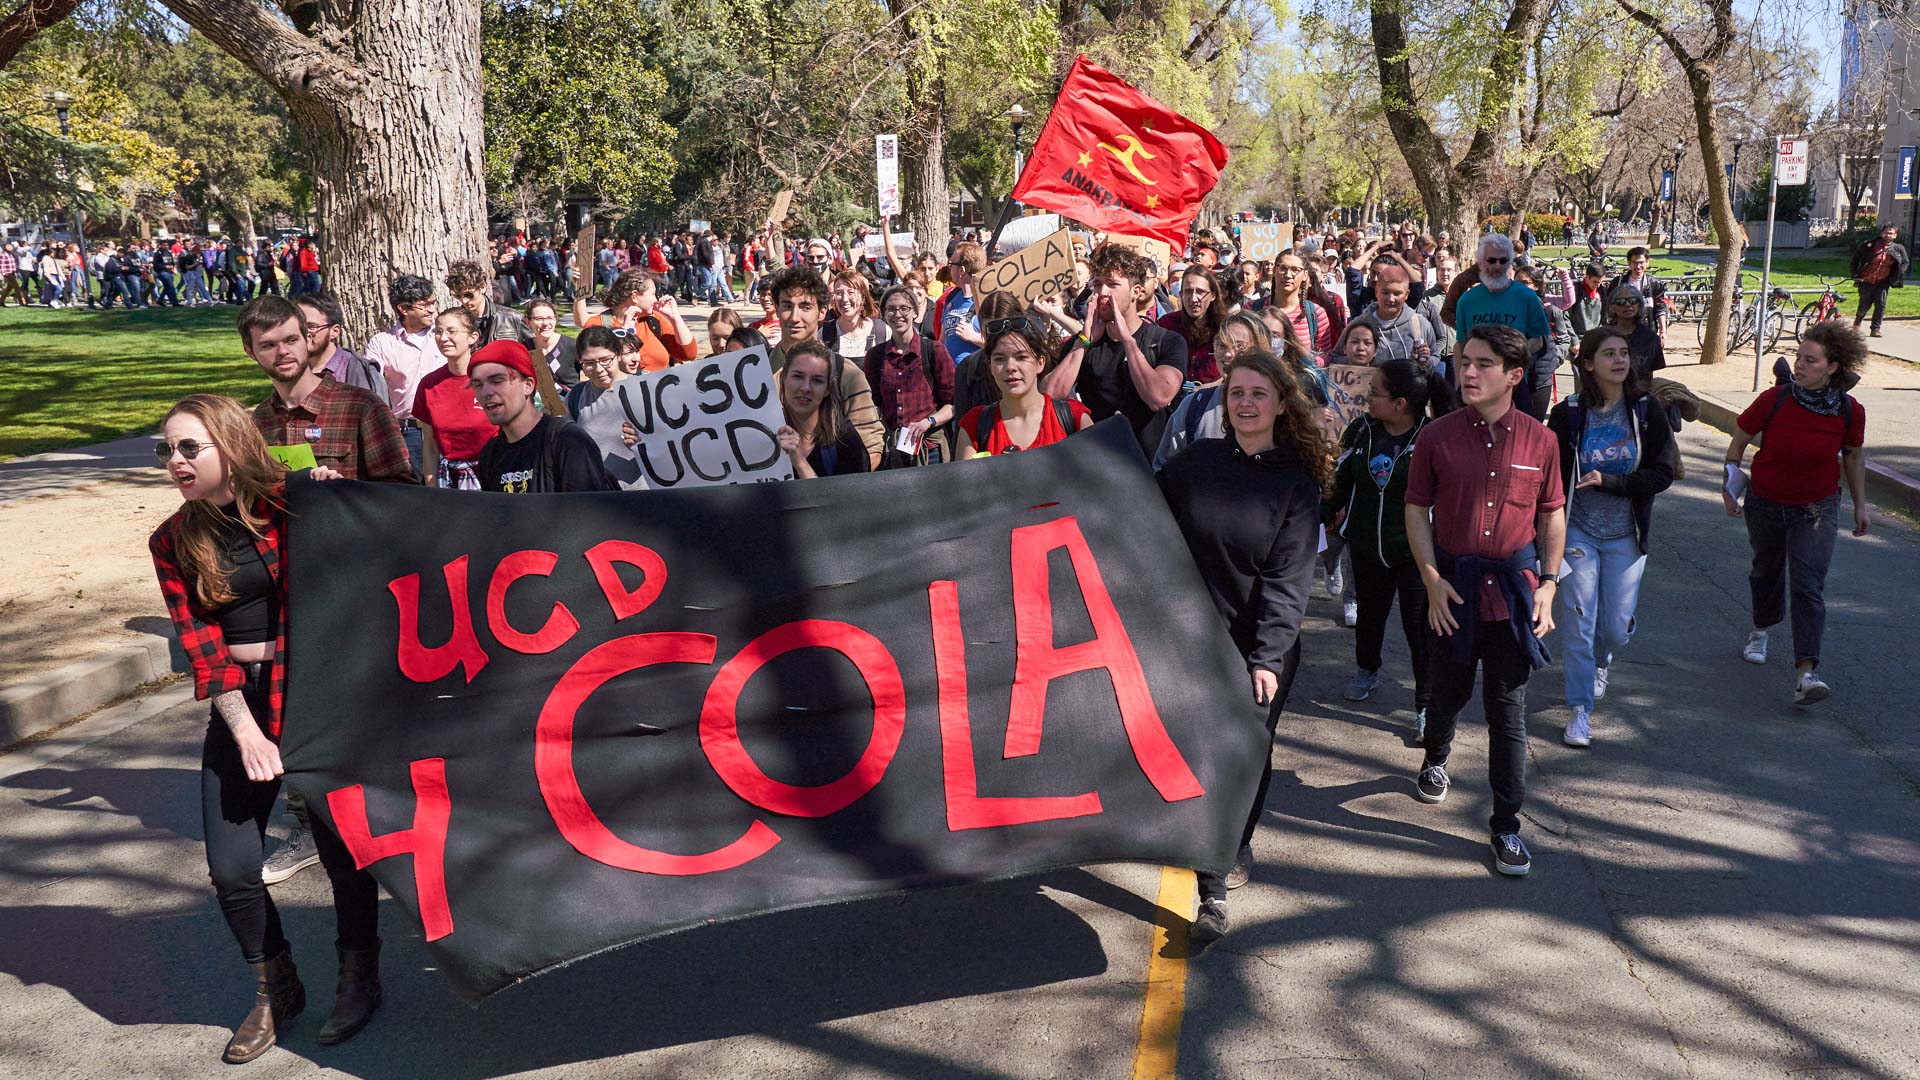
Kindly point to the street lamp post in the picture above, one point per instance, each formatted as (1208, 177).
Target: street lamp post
(63, 101)
(1673, 204)
(1017, 116)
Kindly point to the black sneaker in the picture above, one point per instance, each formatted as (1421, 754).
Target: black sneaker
(1432, 783)
(1510, 855)
(1242, 867)
(1210, 925)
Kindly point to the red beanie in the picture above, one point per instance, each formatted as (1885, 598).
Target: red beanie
(508, 354)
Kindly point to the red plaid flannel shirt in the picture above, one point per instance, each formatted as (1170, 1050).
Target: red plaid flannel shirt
(214, 672)
(349, 429)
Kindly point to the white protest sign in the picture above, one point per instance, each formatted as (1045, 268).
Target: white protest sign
(1790, 161)
(698, 225)
(886, 168)
(902, 245)
(1034, 272)
(702, 423)
(1025, 231)
(1259, 242)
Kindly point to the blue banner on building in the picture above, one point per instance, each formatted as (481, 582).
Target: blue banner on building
(1666, 185)
(1903, 176)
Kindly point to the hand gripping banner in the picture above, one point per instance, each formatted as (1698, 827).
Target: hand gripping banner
(552, 725)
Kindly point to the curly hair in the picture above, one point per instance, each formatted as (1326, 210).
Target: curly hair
(1299, 418)
(1111, 258)
(1844, 346)
(466, 275)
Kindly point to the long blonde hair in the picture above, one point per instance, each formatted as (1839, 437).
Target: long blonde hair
(1299, 417)
(258, 480)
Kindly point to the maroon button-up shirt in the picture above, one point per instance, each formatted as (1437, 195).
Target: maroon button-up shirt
(1485, 484)
(901, 391)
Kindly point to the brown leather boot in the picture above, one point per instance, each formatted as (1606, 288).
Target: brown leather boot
(357, 997)
(278, 997)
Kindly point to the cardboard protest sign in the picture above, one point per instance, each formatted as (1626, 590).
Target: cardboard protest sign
(703, 422)
(1260, 241)
(1347, 391)
(698, 225)
(781, 202)
(1034, 272)
(1157, 250)
(551, 725)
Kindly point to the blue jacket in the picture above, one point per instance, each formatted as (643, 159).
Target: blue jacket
(1464, 573)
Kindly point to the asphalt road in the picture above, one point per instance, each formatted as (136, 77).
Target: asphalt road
(1724, 886)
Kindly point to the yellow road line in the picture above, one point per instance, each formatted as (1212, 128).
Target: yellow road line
(1158, 1050)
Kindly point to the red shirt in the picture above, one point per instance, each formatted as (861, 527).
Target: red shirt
(1200, 364)
(460, 427)
(1800, 461)
(997, 442)
(1485, 491)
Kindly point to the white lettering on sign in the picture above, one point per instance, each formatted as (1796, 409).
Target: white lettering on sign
(1790, 161)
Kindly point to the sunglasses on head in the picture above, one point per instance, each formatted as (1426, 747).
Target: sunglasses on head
(188, 448)
(1001, 326)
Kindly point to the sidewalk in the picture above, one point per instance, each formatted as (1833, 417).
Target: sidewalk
(1889, 390)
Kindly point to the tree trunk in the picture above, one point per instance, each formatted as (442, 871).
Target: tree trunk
(923, 150)
(390, 117)
(1733, 240)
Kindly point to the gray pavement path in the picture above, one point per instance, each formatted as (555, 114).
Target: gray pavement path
(63, 470)
(1725, 886)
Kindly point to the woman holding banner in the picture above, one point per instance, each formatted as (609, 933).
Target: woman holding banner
(817, 438)
(1249, 508)
(452, 427)
(1024, 418)
(220, 561)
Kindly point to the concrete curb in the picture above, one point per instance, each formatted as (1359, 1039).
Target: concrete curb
(1883, 484)
(71, 690)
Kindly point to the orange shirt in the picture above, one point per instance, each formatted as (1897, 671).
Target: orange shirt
(658, 346)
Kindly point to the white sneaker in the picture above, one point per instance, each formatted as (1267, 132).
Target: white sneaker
(1756, 648)
(1336, 583)
(1579, 729)
(1350, 612)
(1599, 684)
(1810, 689)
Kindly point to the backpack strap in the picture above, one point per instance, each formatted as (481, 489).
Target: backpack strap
(983, 427)
(1063, 412)
(1197, 412)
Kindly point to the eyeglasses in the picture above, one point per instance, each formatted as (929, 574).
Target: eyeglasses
(1492, 260)
(592, 365)
(904, 312)
(1289, 270)
(188, 448)
(1001, 326)
(316, 327)
(1625, 301)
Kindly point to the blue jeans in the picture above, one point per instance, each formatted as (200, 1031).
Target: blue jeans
(1792, 548)
(1599, 591)
(163, 289)
(194, 284)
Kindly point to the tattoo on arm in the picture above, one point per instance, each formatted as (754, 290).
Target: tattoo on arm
(232, 707)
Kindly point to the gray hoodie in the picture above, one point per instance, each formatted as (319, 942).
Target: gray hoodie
(1399, 335)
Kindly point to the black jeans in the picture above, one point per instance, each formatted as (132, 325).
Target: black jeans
(1792, 548)
(1213, 884)
(1374, 588)
(1502, 663)
(1875, 297)
(234, 812)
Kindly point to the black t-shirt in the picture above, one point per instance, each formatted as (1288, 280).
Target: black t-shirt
(572, 463)
(1105, 385)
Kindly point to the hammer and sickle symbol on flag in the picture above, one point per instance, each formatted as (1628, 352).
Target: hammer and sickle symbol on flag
(1133, 147)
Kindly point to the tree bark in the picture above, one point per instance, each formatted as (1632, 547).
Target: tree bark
(393, 134)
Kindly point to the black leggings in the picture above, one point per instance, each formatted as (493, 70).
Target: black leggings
(234, 812)
(1377, 585)
(1212, 884)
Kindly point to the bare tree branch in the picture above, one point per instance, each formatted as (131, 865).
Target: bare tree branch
(31, 17)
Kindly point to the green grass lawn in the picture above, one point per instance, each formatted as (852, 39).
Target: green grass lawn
(1796, 270)
(79, 377)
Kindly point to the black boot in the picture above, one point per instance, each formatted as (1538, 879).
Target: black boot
(357, 997)
(278, 997)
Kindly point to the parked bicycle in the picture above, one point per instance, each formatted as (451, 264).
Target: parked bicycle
(1827, 306)
(1742, 323)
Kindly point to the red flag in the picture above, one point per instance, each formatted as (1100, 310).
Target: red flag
(1120, 161)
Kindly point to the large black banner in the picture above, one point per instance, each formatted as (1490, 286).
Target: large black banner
(556, 724)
